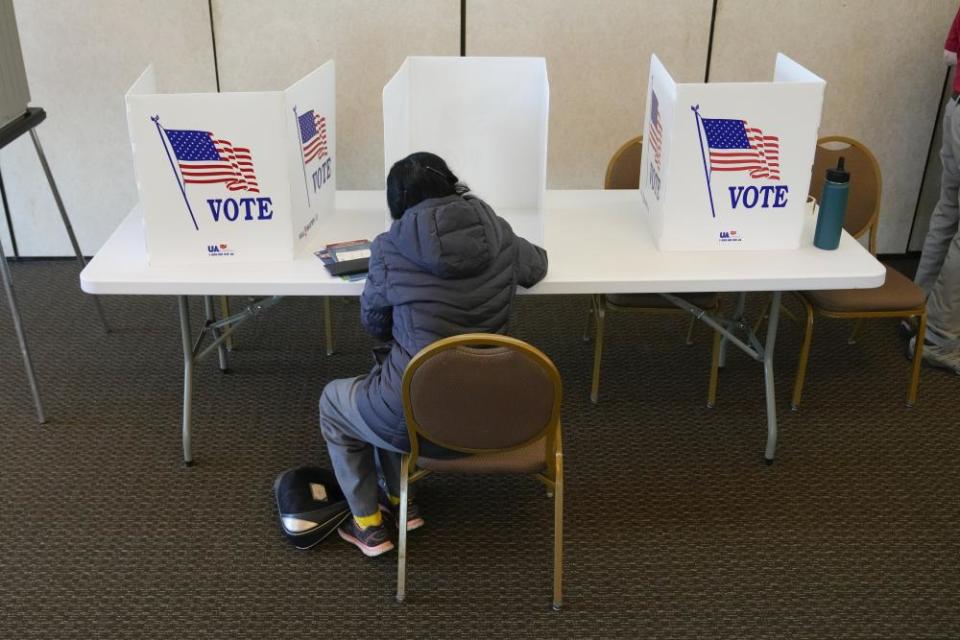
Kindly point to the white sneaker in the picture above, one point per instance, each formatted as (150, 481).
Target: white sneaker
(937, 355)
(907, 329)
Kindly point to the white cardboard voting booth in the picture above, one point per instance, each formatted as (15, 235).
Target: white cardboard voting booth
(726, 166)
(241, 177)
(486, 116)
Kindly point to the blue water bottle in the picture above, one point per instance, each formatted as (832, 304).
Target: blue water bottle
(833, 207)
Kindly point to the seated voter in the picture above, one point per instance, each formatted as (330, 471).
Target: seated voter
(447, 266)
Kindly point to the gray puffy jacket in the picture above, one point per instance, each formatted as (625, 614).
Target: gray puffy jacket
(449, 266)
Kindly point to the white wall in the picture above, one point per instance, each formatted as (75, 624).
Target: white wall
(80, 58)
(598, 59)
(368, 39)
(881, 60)
(883, 65)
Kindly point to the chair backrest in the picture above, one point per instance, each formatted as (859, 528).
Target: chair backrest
(623, 170)
(479, 392)
(863, 202)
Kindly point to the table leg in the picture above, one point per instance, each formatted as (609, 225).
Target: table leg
(771, 340)
(751, 346)
(222, 347)
(735, 319)
(66, 220)
(21, 337)
(186, 336)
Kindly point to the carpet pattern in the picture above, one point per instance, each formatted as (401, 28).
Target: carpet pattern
(674, 526)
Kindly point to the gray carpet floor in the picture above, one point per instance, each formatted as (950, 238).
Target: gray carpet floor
(674, 526)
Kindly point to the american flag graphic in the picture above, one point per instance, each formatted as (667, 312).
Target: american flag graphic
(735, 146)
(655, 133)
(313, 135)
(205, 159)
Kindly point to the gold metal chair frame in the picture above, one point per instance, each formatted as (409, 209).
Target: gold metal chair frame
(615, 158)
(599, 303)
(920, 313)
(551, 477)
(812, 310)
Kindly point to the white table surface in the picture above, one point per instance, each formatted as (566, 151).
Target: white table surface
(597, 242)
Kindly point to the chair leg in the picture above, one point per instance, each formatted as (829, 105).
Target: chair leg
(225, 313)
(785, 311)
(804, 357)
(589, 325)
(714, 371)
(764, 310)
(402, 526)
(855, 331)
(599, 316)
(211, 318)
(558, 534)
(917, 360)
(328, 325)
(690, 328)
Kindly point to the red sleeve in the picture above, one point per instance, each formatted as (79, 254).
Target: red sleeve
(953, 38)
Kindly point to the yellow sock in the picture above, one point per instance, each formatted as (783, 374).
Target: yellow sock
(373, 520)
(394, 500)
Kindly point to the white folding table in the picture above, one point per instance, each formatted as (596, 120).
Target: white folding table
(597, 242)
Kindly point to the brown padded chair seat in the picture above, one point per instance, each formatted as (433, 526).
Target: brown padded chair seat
(897, 293)
(528, 459)
(655, 301)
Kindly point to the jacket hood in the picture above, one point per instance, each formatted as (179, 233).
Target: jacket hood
(451, 237)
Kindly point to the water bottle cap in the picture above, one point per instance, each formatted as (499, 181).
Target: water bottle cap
(838, 174)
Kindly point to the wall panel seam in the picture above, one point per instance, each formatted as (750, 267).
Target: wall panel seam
(713, 24)
(213, 41)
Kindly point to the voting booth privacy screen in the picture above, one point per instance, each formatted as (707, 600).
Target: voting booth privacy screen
(726, 166)
(239, 177)
(486, 116)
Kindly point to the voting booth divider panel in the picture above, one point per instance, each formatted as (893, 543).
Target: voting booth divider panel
(238, 177)
(486, 116)
(726, 166)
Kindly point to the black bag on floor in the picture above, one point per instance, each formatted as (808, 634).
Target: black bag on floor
(310, 503)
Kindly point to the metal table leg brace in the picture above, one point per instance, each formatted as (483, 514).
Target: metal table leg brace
(728, 328)
(219, 331)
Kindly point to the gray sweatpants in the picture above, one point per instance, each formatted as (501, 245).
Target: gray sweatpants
(938, 273)
(356, 451)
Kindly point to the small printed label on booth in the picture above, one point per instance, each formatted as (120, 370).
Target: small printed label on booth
(730, 236)
(318, 492)
(220, 250)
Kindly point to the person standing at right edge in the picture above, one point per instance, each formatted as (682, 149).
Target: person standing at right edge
(938, 273)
